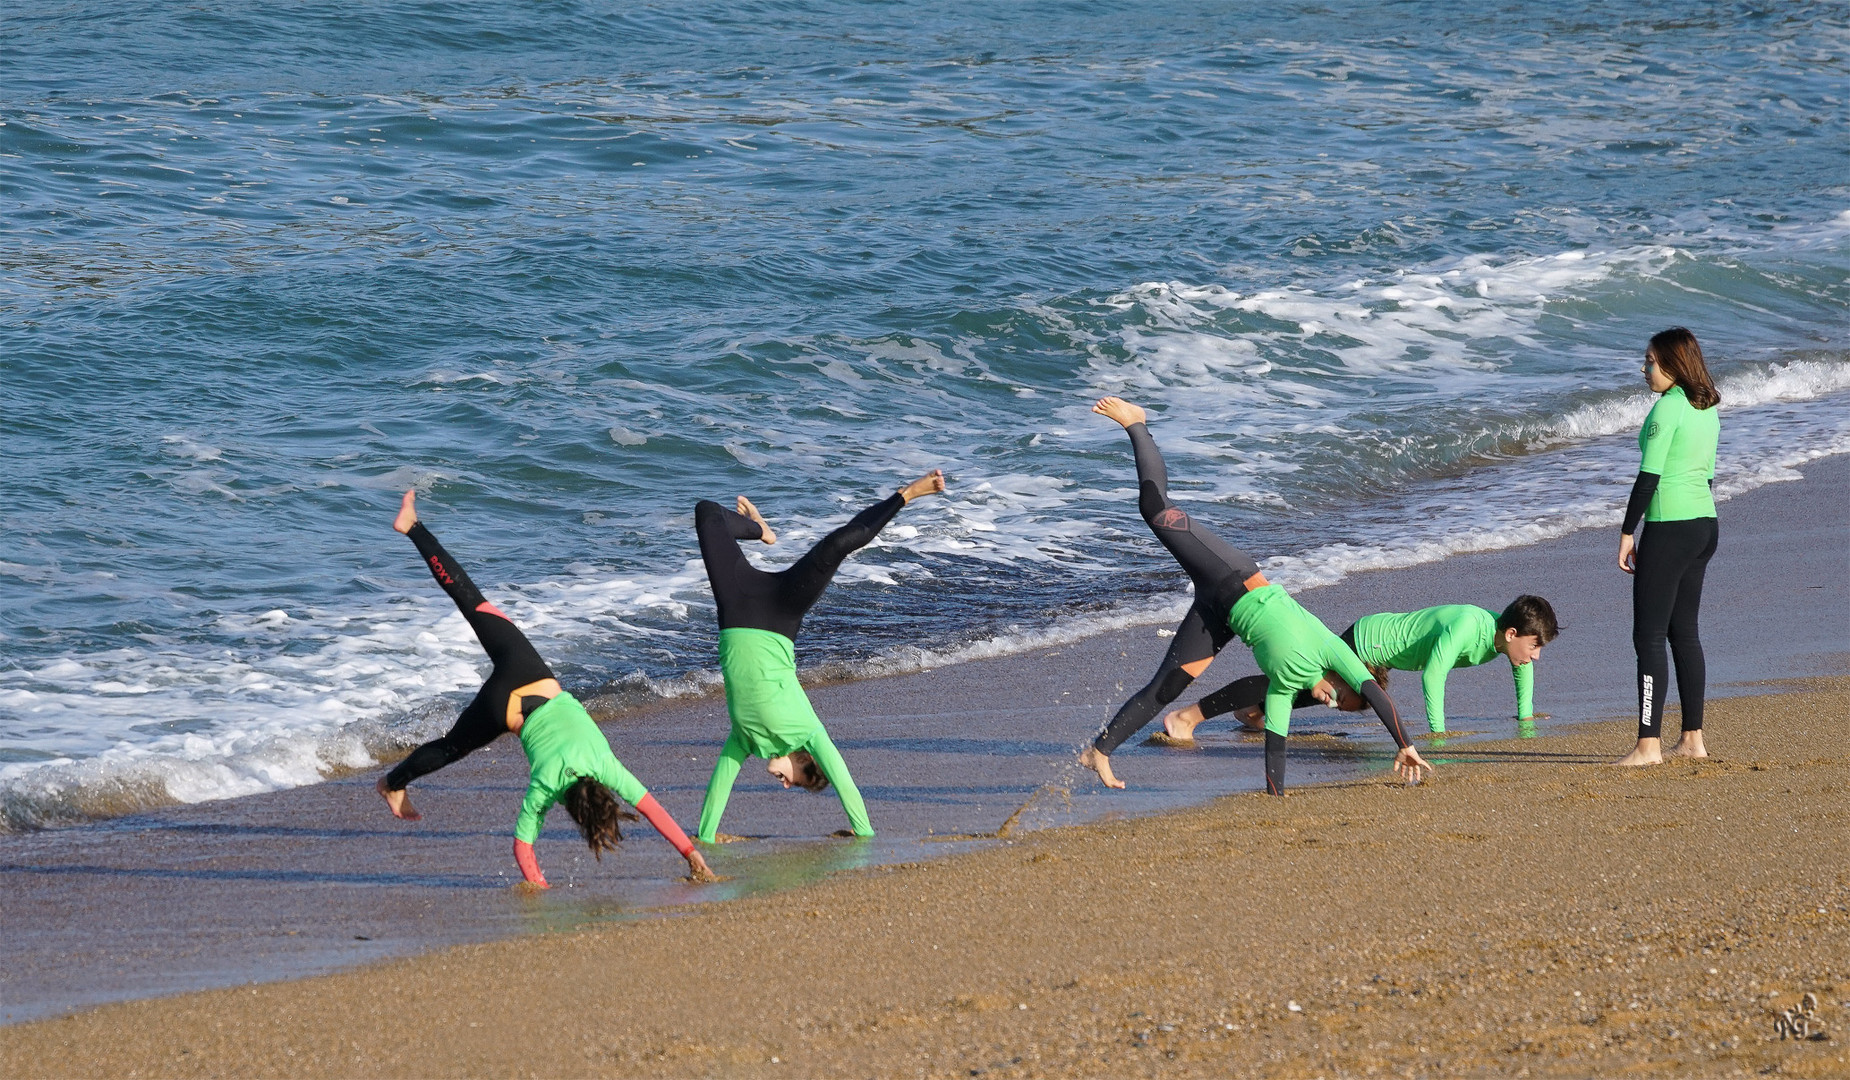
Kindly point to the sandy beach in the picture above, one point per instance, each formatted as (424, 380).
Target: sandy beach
(1530, 910)
(319, 879)
(1535, 913)
(1406, 302)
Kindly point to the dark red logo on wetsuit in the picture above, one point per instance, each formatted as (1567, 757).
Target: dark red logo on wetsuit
(1172, 519)
(436, 567)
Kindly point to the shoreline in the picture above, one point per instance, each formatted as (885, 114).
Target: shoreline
(1533, 913)
(317, 879)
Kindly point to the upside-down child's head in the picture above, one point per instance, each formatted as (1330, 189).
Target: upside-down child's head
(797, 769)
(596, 810)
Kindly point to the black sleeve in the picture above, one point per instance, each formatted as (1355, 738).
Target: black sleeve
(1383, 705)
(1642, 489)
(1274, 763)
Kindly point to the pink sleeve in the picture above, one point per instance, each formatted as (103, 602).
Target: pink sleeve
(664, 824)
(529, 863)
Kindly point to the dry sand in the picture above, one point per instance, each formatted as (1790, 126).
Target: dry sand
(1533, 912)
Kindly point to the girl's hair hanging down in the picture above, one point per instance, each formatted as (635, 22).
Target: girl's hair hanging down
(1680, 357)
(597, 813)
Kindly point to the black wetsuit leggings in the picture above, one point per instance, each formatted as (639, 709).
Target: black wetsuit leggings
(756, 599)
(516, 664)
(1666, 600)
(1220, 573)
(1251, 690)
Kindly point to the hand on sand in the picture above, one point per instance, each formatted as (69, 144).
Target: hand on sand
(930, 484)
(697, 870)
(399, 801)
(1408, 763)
(407, 512)
(746, 508)
(1120, 410)
(1100, 764)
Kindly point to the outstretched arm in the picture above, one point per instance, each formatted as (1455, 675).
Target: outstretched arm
(719, 788)
(1524, 674)
(665, 824)
(619, 779)
(527, 829)
(1407, 762)
(529, 864)
(829, 760)
(1439, 664)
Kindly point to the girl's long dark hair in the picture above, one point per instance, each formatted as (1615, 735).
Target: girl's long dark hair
(1680, 357)
(597, 812)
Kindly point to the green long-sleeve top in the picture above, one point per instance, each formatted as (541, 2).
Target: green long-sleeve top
(1292, 647)
(771, 717)
(564, 745)
(1433, 641)
(1678, 443)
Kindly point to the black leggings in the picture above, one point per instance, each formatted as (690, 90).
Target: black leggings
(752, 598)
(516, 664)
(1666, 600)
(1220, 573)
(1251, 690)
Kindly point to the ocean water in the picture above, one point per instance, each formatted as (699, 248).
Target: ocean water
(1382, 273)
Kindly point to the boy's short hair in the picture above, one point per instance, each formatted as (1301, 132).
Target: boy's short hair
(1529, 616)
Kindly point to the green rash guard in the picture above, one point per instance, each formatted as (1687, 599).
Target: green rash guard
(564, 745)
(1678, 442)
(1433, 641)
(771, 717)
(1292, 647)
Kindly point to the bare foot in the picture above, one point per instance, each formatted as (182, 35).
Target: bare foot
(1180, 724)
(400, 800)
(1253, 717)
(930, 484)
(1100, 764)
(1120, 410)
(407, 516)
(1690, 745)
(1647, 752)
(750, 511)
(728, 838)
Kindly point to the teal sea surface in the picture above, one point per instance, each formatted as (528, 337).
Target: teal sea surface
(1383, 274)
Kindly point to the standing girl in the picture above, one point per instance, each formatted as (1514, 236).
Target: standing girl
(1672, 494)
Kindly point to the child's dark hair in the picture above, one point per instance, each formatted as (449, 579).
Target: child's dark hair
(1678, 356)
(597, 813)
(816, 781)
(1529, 616)
(1380, 672)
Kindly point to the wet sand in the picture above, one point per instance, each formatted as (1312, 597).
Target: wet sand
(1534, 913)
(319, 879)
